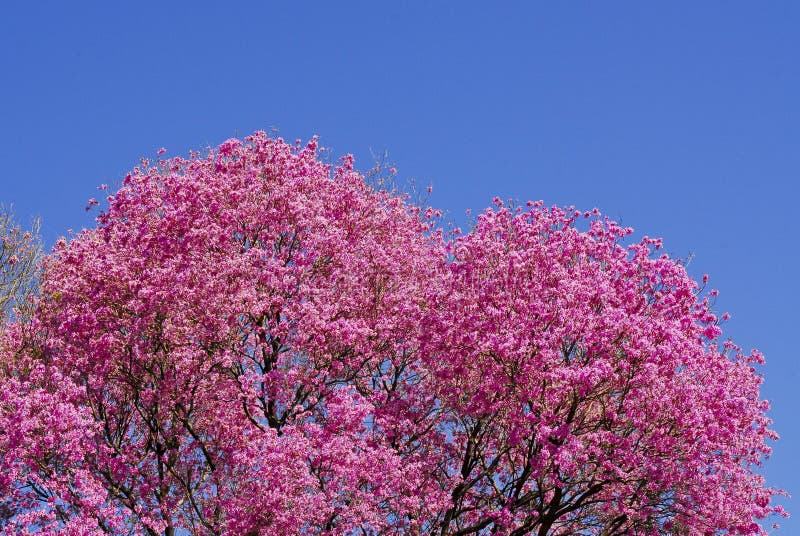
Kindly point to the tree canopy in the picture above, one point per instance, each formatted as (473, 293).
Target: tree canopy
(20, 252)
(253, 342)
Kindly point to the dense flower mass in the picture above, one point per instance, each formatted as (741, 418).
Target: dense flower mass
(253, 343)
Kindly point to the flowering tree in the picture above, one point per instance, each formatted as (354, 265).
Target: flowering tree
(252, 343)
(586, 388)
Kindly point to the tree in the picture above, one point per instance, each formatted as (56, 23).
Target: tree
(589, 391)
(252, 343)
(20, 252)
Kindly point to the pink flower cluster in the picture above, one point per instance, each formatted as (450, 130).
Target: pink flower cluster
(253, 343)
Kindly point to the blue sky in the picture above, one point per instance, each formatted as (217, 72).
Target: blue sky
(681, 120)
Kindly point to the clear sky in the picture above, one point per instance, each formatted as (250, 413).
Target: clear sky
(680, 119)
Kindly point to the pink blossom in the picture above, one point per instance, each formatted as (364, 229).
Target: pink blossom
(253, 342)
